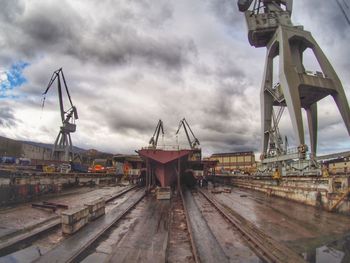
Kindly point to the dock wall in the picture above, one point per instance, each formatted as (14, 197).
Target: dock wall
(21, 187)
(314, 191)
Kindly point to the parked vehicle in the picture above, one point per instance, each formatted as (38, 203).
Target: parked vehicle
(78, 167)
(8, 160)
(101, 166)
(23, 161)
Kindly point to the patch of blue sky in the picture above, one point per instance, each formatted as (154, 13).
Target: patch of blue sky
(11, 79)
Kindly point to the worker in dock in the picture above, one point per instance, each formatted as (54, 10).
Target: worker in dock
(200, 181)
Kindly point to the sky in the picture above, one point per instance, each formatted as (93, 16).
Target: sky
(129, 63)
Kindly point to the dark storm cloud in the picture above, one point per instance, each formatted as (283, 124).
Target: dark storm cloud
(47, 27)
(7, 117)
(57, 27)
(233, 144)
(130, 62)
(130, 123)
(41, 27)
(123, 45)
(127, 121)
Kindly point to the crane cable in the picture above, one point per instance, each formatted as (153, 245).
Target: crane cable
(343, 10)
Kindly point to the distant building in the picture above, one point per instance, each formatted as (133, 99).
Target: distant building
(338, 166)
(235, 161)
(39, 152)
(14, 148)
(32, 151)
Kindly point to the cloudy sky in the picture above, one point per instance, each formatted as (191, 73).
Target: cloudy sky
(129, 63)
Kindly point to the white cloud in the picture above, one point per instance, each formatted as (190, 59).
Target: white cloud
(130, 63)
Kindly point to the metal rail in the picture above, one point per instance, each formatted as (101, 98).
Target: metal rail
(87, 245)
(72, 249)
(190, 231)
(121, 193)
(263, 245)
(9, 245)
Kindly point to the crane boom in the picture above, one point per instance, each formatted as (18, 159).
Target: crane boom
(193, 143)
(154, 140)
(63, 142)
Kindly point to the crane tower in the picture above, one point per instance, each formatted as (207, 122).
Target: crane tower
(269, 25)
(63, 147)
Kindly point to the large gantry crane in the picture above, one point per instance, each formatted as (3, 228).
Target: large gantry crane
(269, 25)
(63, 143)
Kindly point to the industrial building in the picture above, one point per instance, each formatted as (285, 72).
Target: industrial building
(40, 152)
(234, 161)
(18, 149)
(337, 166)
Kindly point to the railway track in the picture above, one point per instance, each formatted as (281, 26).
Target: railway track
(210, 232)
(263, 246)
(25, 238)
(72, 249)
(180, 242)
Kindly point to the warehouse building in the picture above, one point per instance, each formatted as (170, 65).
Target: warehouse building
(235, 161)
(20, 149)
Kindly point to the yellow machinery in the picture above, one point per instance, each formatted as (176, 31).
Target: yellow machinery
(276, 175)
(49, 169)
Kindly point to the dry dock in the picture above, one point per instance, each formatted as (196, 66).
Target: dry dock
(230, 223)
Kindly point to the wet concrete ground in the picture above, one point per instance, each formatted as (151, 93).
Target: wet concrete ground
(234, 247)
(141, 236)
(103, 250)
(19, 217)
(319, 235)
(53, 238)
(207, 246)
(81, 240)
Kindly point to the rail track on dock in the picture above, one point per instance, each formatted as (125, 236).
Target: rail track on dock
(260, 243)
(73, 248)
(26, 237)
(180, 245)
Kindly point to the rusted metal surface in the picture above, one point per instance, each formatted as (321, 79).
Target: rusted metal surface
(63, 206)
(49, 205)
(179, 247)
(190, 231)
(163, 163)
(45, 206)
(267, 248)
(335, 205)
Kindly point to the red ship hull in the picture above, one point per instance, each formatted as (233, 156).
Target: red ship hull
(164, 163)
